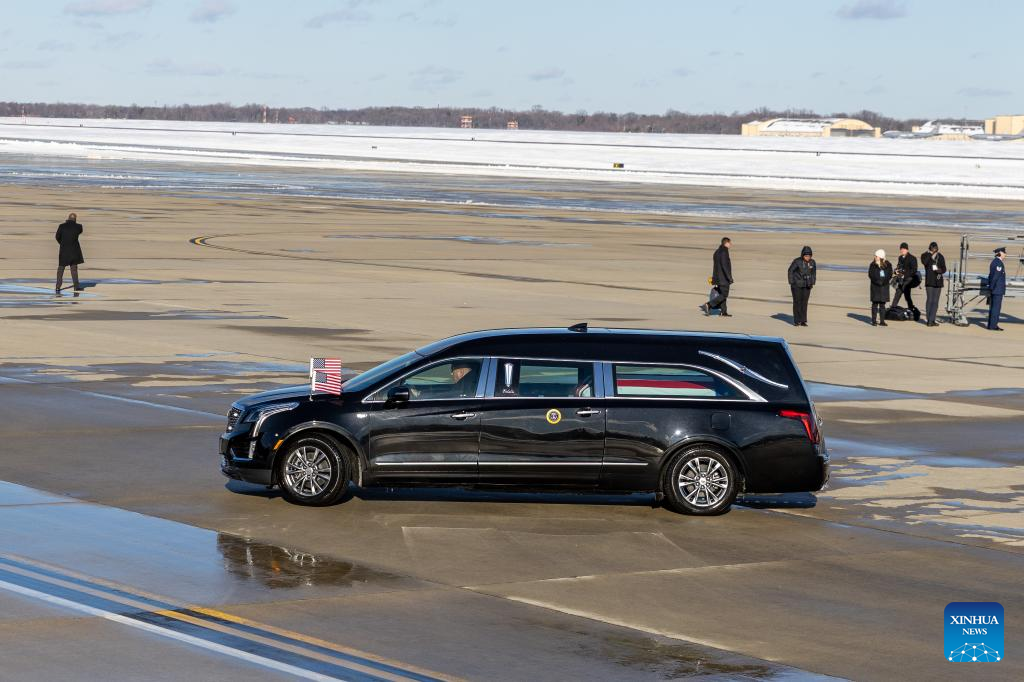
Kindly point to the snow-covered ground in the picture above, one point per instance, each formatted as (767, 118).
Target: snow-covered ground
(978, 169)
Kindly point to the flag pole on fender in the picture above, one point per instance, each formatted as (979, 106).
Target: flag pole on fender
(324, 376)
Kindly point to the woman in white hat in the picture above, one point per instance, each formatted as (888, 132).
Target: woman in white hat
(880, 274)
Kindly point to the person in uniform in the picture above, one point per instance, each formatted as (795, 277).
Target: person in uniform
(934, 270)
(996, 287)
(906, 277)
(802, 276)
(721, 279)
(70, 252)
(880, 274)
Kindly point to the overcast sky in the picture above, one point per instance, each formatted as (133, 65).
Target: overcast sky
(913, 58)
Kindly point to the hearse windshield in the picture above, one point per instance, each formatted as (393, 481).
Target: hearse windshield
(368, 378)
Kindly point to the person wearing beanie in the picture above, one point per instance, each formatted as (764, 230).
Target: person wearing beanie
(880, 274)
(907, 278)
(934, 264)
(802, 277)
(996, 288)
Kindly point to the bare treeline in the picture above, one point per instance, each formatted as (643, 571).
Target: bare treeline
(536, 118)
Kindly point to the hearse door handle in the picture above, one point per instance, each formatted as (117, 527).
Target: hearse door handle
(587, 412)
(463, 415)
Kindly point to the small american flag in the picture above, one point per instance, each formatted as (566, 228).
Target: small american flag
(325, 375)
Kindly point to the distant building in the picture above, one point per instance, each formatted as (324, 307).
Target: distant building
(466, 122)
(512, 125)
(810, 127)
(1005, 125)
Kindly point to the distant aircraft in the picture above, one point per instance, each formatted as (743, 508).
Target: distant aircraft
(933, 128)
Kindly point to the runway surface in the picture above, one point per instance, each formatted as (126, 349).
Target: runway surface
(471, 585)
(126, 555)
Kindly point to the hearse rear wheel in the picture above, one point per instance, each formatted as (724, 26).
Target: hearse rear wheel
(314, 471)
(700, 481)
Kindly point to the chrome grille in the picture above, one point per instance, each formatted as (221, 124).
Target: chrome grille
(233, 416)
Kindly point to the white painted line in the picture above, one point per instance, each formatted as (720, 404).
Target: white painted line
(94, 394)
(620, 623)
(136, 401)
(171, 634)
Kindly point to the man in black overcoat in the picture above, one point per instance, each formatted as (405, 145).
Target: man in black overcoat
(721, 278)
(70, 253)
(907, 277)
(934, 270)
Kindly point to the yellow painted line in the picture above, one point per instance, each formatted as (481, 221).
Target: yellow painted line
(141, 606)
(321, 643)
(167, 632)
(218, 627)
(284, 646)
(95, 581)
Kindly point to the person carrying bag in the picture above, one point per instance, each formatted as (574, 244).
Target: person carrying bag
(721, 280)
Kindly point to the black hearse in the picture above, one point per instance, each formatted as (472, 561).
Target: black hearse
(694, 417)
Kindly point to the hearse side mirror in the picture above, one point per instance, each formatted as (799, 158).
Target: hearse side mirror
(398, 395)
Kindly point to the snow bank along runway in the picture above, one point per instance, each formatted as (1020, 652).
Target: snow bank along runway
(976, 169)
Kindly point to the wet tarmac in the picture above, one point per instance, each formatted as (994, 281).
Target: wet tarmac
(827, 393)
(193, 591)
(465, 239)
(237, 183)
(536, 586)
(115, 418)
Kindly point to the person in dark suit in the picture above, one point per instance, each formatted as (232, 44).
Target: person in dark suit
(906, 277)
(996, 288)
(70, 253)
(934, 271)
(880, 274)
(803, 274)
(721, 279)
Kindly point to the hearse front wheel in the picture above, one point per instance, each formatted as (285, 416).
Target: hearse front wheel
(314, 471)
(701, 481)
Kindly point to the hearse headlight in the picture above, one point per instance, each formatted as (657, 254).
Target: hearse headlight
(260, 414)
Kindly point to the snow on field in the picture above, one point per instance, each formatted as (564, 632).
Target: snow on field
(978, 169)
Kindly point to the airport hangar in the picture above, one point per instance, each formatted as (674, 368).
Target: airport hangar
(810, 127)
(1002, 127)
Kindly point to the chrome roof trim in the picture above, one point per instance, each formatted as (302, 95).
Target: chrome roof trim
(743, 369)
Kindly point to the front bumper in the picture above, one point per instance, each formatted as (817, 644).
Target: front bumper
(243, 468)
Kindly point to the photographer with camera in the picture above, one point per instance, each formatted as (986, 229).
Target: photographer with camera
(802, 276)
(906, 278)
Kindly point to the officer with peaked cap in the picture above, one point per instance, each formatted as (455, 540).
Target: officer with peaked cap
(996, 287)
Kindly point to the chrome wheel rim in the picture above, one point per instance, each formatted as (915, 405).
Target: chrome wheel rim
(703, 482)
(307, 471)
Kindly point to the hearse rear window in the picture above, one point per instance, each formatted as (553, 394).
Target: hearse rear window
(648, 381)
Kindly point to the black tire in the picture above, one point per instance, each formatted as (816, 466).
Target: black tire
(314, 470)
(715, 482)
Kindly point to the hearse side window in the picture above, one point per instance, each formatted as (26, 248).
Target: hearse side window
(649, 381)
(544, 379)
(444, 381)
